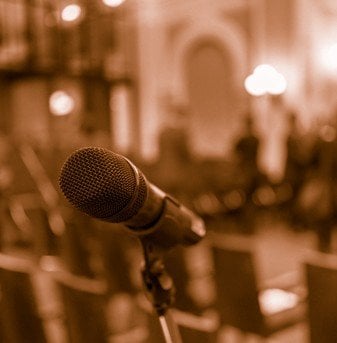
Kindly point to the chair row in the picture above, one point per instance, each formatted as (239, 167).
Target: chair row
(305, 296)
(45, 303)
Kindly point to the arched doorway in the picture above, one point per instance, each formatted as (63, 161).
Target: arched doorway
(213, 98)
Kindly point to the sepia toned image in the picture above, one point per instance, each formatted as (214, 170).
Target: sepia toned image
(167, 171)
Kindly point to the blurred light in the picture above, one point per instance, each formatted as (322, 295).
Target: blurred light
(329, 57)
(71, 13)
(264, 196)
(61, 103)
(265, 79)
(277, 85)
(327, 133)
(50, 263)
(234, 199)
(264, 70)
(207, 204)
(276, 300)
(253, 87)
(113, 3)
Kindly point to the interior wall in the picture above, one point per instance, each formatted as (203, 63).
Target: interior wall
(164, 44)
(212, 100)
(29, 110)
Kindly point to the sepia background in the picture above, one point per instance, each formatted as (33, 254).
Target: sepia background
(229, 106)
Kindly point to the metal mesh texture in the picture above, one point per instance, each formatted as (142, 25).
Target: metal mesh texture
(101, 184)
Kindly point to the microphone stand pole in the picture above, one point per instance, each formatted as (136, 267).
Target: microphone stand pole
(159, 287)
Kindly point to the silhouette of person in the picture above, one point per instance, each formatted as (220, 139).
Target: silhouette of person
(295, 165)
(174, 164)
(322, 197)
(246, 150)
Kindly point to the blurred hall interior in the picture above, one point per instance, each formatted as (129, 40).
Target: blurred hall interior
(228, 106)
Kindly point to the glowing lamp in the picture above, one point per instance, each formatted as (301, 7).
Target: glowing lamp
(329, 57)
(264, 70)
(61, 103)
(71, 13)
(278, 84)
(253, 87)
(265, 79)
(276, 300)
(113, 3)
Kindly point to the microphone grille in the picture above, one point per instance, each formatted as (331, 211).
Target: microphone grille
(102, 184)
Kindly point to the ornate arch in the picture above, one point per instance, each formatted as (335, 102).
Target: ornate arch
(226, 33)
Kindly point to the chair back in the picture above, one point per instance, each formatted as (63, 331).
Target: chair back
(322, 301)
(237, 293)
(175, 263)
(84, 308)
(19, 314)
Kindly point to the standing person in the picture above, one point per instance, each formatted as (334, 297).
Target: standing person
(175, 161)
(318, 196)
(246, 151)
(295, 164)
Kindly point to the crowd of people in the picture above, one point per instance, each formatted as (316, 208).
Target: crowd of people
(235, 188)
(239, 188)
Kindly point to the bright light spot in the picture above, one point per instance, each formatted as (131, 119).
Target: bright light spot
(276, 300)
(71, 12)
(333, 54)
(269, 79)
(264, 70)
(113, 3)
(265, 79)
(277, 85)
(329, 57)
(61, 103)
(253, 87)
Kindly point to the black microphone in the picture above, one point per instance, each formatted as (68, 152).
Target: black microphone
(108, 187)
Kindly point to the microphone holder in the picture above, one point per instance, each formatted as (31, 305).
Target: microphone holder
(160, 290)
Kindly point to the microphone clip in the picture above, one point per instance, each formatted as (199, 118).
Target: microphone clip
(158, 283)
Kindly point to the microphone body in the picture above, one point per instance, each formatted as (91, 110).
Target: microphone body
(108, 187)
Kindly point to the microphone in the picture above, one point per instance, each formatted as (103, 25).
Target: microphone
(108, 187)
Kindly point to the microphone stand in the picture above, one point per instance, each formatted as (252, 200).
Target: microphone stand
(160, 291)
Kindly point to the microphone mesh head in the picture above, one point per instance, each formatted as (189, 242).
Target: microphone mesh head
(102, 184)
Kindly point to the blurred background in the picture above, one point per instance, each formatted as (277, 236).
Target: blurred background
(230, 106)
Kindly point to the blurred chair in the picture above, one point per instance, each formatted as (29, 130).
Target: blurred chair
(197, 328)
(83, 305)
(94, 316)
(121, 258)
(321, 273)
(189, 268)
(24, 315)
(176, 262)
(44, 241)
(76, 245)
(241, 303)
